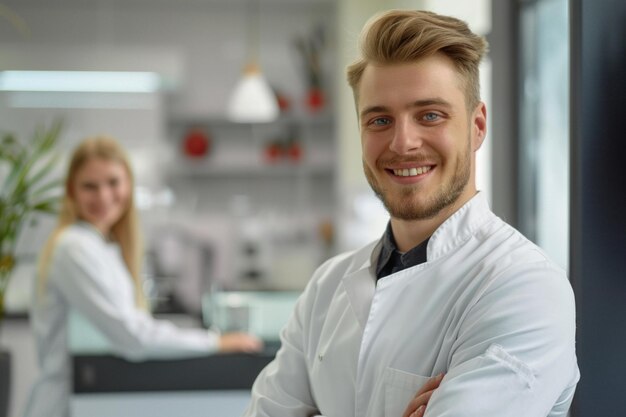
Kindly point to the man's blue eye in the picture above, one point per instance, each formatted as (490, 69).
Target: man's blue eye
(431, 117)
(381, 121)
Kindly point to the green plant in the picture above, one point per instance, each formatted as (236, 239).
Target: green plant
(27, 188)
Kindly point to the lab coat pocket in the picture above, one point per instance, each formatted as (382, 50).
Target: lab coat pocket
(400, 388)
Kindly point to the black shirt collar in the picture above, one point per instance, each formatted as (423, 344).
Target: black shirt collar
(391, 260)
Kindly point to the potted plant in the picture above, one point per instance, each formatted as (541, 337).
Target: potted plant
(311, 48)
(26, 188)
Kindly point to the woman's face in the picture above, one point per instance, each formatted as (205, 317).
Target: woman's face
(101, 192)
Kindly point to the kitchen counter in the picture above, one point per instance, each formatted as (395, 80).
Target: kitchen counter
(103, 373)
(231, 403)
(218, 385)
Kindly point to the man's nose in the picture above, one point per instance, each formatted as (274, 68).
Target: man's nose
(406, 137)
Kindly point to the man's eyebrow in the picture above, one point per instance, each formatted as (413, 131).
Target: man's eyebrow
(436, 101)
(372, 109)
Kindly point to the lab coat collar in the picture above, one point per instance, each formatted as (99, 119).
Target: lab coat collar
(459, 227)
(360, 278)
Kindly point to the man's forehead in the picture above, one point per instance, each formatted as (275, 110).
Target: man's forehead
(424, 82)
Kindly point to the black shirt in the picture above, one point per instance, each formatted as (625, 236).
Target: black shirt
(391, 260)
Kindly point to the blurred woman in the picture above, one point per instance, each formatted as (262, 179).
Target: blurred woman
(91, 265)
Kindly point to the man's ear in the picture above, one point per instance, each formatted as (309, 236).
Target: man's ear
(479, 126)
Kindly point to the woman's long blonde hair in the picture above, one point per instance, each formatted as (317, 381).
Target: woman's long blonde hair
(125, 232)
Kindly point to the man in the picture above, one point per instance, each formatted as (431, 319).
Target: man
(453, 312)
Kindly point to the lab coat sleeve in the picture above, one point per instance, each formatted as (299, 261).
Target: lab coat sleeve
(515, 353)
(282, 389)
(133, 333)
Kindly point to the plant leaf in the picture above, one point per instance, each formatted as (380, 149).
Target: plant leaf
(45, 188)
(12, 177)
(45, 170)
(46, 206)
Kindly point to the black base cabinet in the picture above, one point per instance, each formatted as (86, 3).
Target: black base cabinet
(5, 382)
(105, 374)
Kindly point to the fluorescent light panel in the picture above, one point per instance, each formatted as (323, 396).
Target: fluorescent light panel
(65, 100)
(80, 81)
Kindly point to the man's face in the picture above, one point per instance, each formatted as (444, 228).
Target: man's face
(418, 137)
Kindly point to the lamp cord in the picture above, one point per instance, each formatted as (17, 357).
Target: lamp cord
(254, 31)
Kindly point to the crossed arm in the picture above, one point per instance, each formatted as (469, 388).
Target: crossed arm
(513, 355)
(417, 406)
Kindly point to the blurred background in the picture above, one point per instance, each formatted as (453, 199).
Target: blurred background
(239, 212)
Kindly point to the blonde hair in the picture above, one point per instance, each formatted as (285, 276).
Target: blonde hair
(125, 232)
(403, 36)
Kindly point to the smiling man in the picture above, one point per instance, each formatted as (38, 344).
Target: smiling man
(453, 312)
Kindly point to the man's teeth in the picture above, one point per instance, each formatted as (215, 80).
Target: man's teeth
(411, 172)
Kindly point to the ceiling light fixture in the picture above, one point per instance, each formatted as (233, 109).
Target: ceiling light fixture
(253, 100)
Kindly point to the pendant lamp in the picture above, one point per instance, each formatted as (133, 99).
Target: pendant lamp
(253, 101)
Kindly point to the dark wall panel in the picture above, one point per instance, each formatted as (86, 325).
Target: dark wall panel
(598, 221)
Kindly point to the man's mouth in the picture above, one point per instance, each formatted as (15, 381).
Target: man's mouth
(411, 172)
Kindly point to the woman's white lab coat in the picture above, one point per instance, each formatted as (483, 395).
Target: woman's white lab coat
(487, 308)
(88, 275)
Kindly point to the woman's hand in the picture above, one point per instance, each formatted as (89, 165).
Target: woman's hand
(417, 406)
(239, 342)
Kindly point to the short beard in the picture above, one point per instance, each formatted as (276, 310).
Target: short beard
(404, 208)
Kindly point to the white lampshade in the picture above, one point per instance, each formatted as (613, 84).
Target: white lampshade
(253, 100)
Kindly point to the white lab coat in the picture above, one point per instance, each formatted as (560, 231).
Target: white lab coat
(487, 308)
(88, 275)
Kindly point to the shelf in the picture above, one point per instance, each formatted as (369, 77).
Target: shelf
(321, 119)
(238, 150)
(258, 170)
